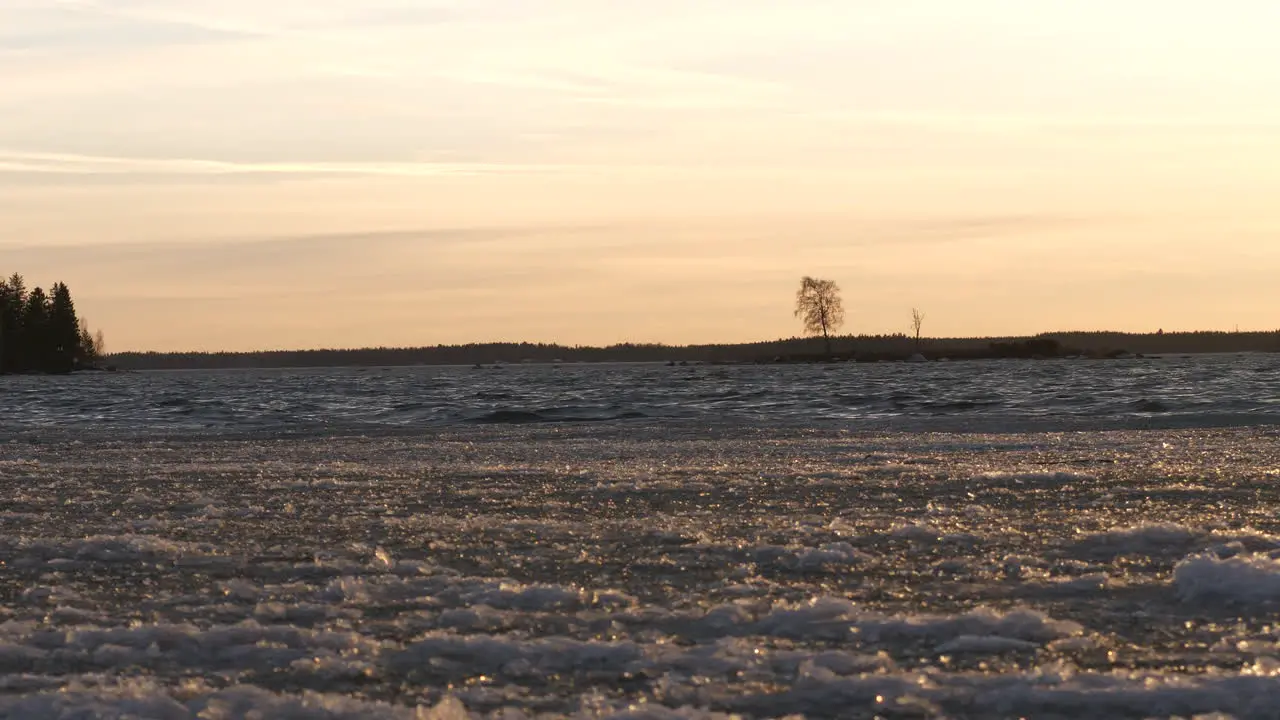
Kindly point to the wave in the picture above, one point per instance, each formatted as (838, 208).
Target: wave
(1196, 392)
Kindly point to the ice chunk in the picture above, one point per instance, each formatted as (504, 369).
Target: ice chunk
(1151, 539)
(1034, 478)
(456, 655)
(919, 532)
(1237, 580)
(834, 618)
(808, 558)
(984, 644)
(447, 709)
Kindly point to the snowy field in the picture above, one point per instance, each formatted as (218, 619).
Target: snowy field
(638, 571)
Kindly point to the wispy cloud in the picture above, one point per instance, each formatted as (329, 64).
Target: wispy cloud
(635, 85)
(85, 26)
(231, 246)
(38, 163)
(254, 19)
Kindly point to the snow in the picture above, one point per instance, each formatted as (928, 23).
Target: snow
(985, 644)
(829, 555)
(193, 701)
(1241, 580)
(832, 618)
(817, 693)
(1060, 477)
(918, 532)
(520, 572)
(102, 549)
(1146, 539)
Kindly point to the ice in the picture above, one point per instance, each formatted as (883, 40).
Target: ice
(834, 618)
(1033, 478)
(104, 549)
(1036, 694)
(1241, 580)
(1171, 539)
(536, 572)
(801, 558)
(816, 694)
(459, 656)
(918, 532)
(246, 645)
(1146, 539)
(1093, 583)
(988, 644)
(193, 701)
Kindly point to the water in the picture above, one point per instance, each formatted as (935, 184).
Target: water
(967, 540)
(1174, 391)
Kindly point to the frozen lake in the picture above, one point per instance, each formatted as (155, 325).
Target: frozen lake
(259, 559)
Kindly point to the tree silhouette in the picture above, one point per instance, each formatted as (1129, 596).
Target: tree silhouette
(35, 331)
(13, 301)
(40, 332)
(92, 345)
(917, 320)
(819, 307)
(64, 331)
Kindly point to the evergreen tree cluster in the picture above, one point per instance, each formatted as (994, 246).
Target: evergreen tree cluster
(40, 332)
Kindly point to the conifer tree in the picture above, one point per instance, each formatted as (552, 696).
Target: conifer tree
(40, 332)
(63, 331)
(35, 330)
(13, 300)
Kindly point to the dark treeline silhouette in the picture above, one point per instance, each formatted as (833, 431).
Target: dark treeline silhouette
(1204, 341)
(40, 332)
(865, 347)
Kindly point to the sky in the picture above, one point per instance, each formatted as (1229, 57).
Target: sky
(241, 174)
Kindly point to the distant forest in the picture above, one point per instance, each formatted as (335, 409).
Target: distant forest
(847, 347)
(40, 332)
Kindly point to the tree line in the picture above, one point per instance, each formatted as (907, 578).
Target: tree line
(821, 311)
(895, 345)
(40, 332)
(818, 305)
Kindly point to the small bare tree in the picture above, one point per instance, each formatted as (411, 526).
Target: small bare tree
(93, 345)
(818, 305)
(917, 320)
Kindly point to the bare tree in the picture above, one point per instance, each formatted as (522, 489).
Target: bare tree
(93, 345)
(818, 305)
(917, 320)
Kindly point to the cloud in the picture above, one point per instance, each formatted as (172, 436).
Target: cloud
(18, 162)
(89, 27)
(251, 250)
(623, 84)
(248, 18)
(971, 227)
(402, 15)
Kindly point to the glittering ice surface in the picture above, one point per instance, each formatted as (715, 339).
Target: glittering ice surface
(642, 570)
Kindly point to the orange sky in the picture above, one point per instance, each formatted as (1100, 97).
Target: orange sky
(242, 175)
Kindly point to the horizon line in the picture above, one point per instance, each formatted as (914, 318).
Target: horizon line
(685, 346)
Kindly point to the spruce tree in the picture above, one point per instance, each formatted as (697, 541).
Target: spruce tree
(40, 332)
(37, 351)
(64, 331)
(5, 331)
(13, 301)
